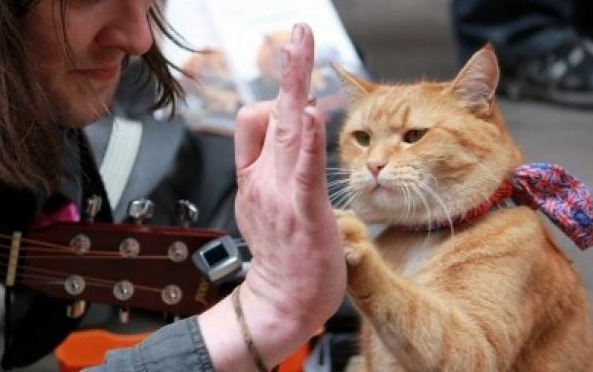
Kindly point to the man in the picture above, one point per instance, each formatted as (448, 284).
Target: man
(75, 51)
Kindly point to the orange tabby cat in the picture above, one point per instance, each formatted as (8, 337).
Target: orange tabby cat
(491, 293)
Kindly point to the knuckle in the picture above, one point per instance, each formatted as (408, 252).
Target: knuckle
(285, 135)
(246, 114)
(306, 181)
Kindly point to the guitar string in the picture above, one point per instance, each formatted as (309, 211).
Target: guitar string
(50, 247)
(87, 255)
(40, 243)
(55, 273)
(83, 257)
(50, 280)
(59, 277)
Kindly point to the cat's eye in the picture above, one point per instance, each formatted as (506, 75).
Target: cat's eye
(362, 137)
(414, 135)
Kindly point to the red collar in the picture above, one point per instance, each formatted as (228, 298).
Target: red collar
(503, 192)
(549, 188)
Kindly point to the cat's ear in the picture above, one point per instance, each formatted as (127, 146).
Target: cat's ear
(475, 85)
(354, 86)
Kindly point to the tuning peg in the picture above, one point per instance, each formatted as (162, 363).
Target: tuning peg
(76, 309)
(124, 315)
(186, 213)
(93, 206)
(140, 209)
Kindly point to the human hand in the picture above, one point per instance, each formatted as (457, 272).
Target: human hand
(282, 208)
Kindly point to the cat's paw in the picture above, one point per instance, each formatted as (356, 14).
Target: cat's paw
(353, 255)
(353, 233)
(352, 229)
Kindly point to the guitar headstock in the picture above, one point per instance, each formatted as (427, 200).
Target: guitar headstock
(128, 265)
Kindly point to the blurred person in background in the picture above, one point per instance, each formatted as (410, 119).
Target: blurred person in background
(544, 46)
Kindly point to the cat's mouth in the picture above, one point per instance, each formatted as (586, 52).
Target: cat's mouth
(385, 193)
(385, 188)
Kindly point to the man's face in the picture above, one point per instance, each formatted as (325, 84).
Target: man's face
(100, 34)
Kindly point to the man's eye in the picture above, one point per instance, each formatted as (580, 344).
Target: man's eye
(83, 2)
(414, 135)
(362, 137)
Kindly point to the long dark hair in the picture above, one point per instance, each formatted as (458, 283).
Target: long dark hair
(30, 142)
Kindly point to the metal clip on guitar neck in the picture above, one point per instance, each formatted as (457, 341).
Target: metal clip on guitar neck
(218, 259)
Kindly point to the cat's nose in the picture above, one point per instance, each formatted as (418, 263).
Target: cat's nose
(375, 168)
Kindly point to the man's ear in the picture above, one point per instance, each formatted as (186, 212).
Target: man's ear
(474, 87)
(354, 87)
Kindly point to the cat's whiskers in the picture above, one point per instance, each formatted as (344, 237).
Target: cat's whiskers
(418, 191)
(441, 203)
(411, 203)
(408, 201)
(338, 188)
(339, 196)
(337, 185)
(343, 198)
(342, 192)
(408, 180)
(355, 187)
(337, 171)
(430, 184)
(353, 198)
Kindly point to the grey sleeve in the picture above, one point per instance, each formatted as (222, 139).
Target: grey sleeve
(175, 347)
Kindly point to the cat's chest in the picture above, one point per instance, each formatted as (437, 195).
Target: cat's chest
(417, 258)
(406, 254)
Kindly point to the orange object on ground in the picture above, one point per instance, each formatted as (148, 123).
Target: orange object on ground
(86, 348)
(294, 363)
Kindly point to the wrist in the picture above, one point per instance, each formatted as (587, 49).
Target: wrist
(275, 334)
(277, 331)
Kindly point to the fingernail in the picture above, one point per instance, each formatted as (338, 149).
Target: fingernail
(284, 58)
(297, 33)
(309, 112)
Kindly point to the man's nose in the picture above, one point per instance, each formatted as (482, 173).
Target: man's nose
(129, 28)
